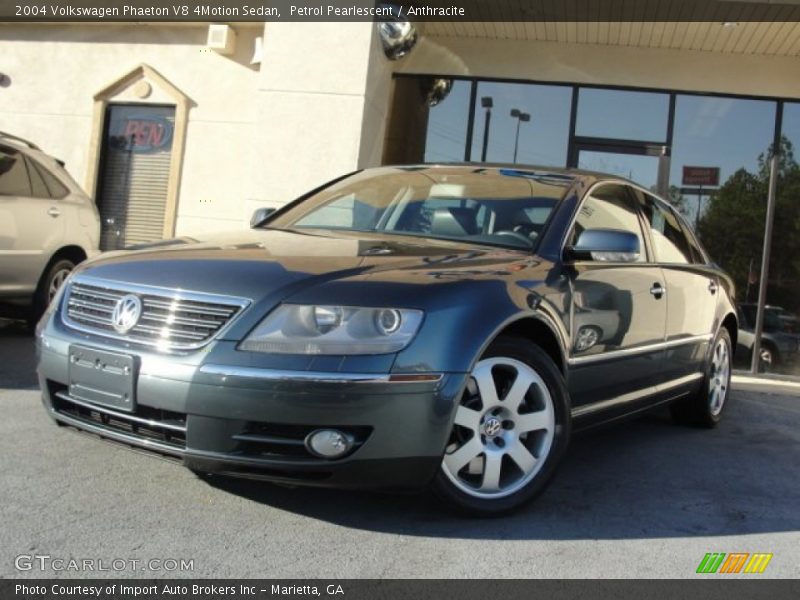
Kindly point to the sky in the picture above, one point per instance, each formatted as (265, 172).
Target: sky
(728, 133)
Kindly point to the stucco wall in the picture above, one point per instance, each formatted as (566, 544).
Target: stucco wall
(56, 70)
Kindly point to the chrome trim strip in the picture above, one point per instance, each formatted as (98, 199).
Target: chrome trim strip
(635, 395)
(170, 293)
(605, 404)
(235, 302)
(663, 387)
(312, 376)
(582, 360)
(120, 415)
(118, 436)
(267, 439)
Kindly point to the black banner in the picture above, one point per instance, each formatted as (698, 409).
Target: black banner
(413, 10)
(352, 589)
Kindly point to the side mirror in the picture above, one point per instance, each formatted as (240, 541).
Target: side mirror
(606, 245)
(259, 216)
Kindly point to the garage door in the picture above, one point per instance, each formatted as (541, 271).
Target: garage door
(135, 170)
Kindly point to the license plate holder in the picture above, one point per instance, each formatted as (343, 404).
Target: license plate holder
(102, 377)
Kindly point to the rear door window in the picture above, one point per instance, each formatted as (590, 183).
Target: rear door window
(54, 186)
(670, 243)
(14, 179)
(38, 187)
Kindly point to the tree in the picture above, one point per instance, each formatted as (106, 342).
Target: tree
(732, 228)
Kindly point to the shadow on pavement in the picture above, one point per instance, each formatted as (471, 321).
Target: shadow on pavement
(646, 478)
(17, 356)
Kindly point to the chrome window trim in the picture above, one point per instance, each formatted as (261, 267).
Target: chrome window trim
(577, 211)
(582, 360)
(225, 371)
(166, 293)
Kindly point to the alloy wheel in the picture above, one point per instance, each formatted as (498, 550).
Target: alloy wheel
(504, 429)
(720, 377)
(58, 279)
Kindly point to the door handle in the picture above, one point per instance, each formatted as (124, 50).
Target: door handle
(658, 290)
(53, 212)
(712, 287)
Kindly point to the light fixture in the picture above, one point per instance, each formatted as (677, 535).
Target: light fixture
(521, 117)
(730, 24)
(437, 90)
(258, 51)
(398, 35)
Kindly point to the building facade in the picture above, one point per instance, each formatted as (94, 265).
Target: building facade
(181, 129)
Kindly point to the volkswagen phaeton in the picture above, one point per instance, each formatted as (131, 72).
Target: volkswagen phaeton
(399, 327)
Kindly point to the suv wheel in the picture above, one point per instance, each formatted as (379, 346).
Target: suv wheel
(510, 431)
(49, 285)
(705, 407)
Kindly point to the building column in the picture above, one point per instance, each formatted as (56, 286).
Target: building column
(322, 100)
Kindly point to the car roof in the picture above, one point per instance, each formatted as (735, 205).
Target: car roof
(574, 174)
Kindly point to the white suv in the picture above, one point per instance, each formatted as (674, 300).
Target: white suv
(47, 226)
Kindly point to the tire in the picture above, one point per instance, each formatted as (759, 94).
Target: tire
(488, 431)
(705, 407)
(52, 279)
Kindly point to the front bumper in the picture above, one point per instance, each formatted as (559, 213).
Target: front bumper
(251, 422)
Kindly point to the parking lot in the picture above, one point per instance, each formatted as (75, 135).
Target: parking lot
(646, 499)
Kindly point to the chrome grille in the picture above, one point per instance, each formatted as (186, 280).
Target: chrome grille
(169, 319)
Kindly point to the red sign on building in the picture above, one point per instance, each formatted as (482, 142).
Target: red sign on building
(706, 176)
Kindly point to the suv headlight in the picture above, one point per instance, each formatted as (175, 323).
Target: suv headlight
(302, 329)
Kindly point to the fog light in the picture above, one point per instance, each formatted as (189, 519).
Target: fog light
(328, 443)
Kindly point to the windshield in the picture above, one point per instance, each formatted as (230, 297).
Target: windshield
(497, 207)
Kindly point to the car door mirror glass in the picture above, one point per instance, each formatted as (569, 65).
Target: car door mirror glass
(606, 245)
(259, 216)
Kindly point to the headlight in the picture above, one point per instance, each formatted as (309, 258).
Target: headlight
(299, 329)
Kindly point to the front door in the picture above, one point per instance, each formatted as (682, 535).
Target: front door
(618, 316)
(134, 174)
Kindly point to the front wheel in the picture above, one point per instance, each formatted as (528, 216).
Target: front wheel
(510, 431)
(704, 408)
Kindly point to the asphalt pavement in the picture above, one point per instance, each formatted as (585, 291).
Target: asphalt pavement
(644, 499)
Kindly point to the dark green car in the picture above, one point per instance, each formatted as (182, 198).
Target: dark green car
(399, 327)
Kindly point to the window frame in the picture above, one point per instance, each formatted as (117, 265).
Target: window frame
(647, 251)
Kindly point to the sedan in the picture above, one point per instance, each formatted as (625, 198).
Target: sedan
(400, 327)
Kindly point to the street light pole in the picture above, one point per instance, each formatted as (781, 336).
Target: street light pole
(486, 102)
(521, 117)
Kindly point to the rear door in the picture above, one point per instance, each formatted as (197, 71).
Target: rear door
(30, 224)
(617, 315)
(691, 293)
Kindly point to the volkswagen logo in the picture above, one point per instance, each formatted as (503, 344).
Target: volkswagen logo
(126, 313)
(492, 426)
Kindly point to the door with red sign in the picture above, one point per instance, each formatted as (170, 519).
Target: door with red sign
(134, 173)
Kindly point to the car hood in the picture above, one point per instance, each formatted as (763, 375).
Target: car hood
(257, 263)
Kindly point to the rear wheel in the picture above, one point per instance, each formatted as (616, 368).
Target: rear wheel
(705, 407)
(511, 429)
